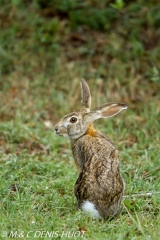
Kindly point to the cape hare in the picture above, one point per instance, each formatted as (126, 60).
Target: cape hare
(99, 187)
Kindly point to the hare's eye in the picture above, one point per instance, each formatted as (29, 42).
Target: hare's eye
(73, 120)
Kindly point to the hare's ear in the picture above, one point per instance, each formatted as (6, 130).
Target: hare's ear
(105, 111)
(86, 96)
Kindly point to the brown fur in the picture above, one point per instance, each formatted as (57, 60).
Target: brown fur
(99, 180)
(91, 131)
(96, 158)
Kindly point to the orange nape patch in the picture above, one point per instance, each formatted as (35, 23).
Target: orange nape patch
(91, 131)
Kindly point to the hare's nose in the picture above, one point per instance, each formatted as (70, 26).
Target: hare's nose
(56, 130)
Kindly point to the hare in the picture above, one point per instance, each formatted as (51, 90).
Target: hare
(99, 187)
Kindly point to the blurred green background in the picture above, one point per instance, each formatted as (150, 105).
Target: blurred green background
(47, 46)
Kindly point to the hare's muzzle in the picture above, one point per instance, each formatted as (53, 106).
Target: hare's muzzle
(60, 130)
(56, 130)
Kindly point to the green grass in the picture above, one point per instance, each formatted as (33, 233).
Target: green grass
(43, 57)
(38, 175)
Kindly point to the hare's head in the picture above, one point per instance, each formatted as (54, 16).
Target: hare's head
(75, 124)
